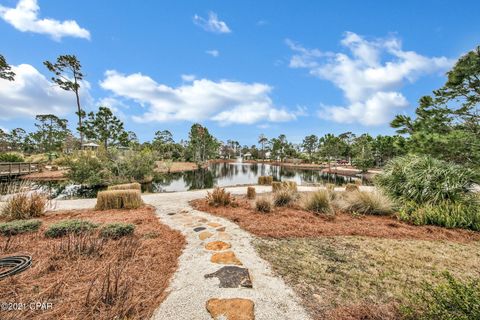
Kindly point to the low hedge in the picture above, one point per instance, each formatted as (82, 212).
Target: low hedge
(66, 227)
(19, 226)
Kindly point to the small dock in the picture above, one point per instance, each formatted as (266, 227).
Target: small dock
(15, 169)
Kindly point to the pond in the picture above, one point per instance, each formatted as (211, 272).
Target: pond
(216, 174)
(238, 173)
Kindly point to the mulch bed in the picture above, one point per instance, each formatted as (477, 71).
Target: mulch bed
(88, 277)
(294, 222)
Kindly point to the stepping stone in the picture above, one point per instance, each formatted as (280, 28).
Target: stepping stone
(232, 277)
(224, 236)
(171, 213)
(225, 258)
(221, 229)
(231, 309)
(198, 229)
(205, 235)
(217, 246)
(214, 224)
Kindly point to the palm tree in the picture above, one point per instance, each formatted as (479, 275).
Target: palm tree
(262, 140)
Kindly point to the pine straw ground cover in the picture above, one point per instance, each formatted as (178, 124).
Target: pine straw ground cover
(90, 277)
(353, 267)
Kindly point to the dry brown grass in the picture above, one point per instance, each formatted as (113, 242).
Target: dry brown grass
(24, 205)
(284, 222)
(126, 186)
(265, 180)
(89, 277)
(359, 202)
(219, 197)
(349, 187)
(360, 277)
(251, 193)
(118, 199)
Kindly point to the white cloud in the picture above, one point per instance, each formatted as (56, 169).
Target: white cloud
(214, 53)
(188, 77)
(24, 17)
(224, 101)
(212, 24)
(32, 93)
(371, 72)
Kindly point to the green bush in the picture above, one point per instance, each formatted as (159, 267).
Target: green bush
(19, 226)
(135, 165)
(365, 203)
(89, 168)
(423, 179)
(450, 299)
(464, 215)
(117, 230)
(11, 157)
(318, 202)
(73, 226)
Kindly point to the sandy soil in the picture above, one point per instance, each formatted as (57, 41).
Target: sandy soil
(175, 167)
(293, 222)
(87, 277)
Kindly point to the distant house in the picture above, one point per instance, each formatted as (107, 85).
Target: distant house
(90, 146)
(247, 156)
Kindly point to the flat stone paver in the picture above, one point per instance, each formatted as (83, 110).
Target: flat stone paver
(231, 309)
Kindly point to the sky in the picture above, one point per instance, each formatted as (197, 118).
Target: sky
(241, 68)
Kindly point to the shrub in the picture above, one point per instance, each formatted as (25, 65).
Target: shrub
(445, 214)
(118, 199)
(283, 197)
(134, 165)
(89, 168)
(265, 180)
(423, 179)
(276, 186)
(117, 230)
(263, 205)
(11, 157)
(351, 187)
(126, 186)
(251, 193)
(25, 205)
(330, 187)
(219, 197)
(19, 226)
(318, 202)
(73, 226)
(366, 203)
(449, 299)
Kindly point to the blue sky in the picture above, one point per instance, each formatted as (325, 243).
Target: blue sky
(240, 68)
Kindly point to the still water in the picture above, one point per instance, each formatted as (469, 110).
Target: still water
(231, 174)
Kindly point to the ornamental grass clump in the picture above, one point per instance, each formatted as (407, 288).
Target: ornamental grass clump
(118, 199)
(265, 180)
(66, 227)
(117, 230)
(318, 202)
(126, 186)
(219, 197)
(374, 203)
(283, 197)
(25, 205)
(263, 205)
(276, 186)
(251, 193)
(15, 227)
(351, 187)
(289, 185)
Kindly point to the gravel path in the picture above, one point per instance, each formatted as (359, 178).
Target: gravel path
(242, 286)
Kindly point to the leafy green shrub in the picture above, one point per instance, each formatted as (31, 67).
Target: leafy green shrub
(11, 157)
(219, 197)
(126, 186)
(263, 205)
(137, 166)
(451, 299)
(25, 205)
(283, 197)
(89, 168)
(366, 203)
(423, 179)
(73, 226)
(251, 193)
(265, 180)
(118, 199)
(19, 226)
(117, 230)
(318, 202)
(464, 215)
